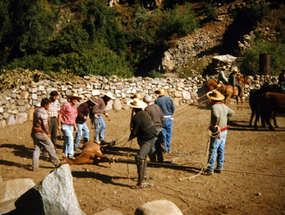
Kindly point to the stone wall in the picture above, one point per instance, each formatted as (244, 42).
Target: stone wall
(17, 105)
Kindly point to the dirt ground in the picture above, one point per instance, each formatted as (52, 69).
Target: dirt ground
(252, 183)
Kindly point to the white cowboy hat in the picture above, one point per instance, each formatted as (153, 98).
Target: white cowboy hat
(215, 95)
(93, 99)
(235, 69)
(74, 95)
(136, 103)
(109, 94)
(147, 99)
(160, 91)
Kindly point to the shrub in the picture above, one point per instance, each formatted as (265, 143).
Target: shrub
(193, 67)
(259, 10)
(210, 11)
(250, 64)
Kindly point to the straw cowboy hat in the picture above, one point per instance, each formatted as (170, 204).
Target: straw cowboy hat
(215, 95)
(137, 96)
(160, 91)
(93, 99)
(109, 94)
(74, 96)
(235, 70)
(136, 103)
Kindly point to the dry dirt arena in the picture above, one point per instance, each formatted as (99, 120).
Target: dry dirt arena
(252, 183)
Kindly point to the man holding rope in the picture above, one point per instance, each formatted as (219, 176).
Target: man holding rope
(145, 131)
(219, 117)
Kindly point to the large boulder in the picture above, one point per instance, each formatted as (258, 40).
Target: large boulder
(11, 190)
(158, 207)
(54, 195)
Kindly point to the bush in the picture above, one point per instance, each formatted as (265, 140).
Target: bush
(193, 67)
(210, 11)
(259, 10)
(250, 64)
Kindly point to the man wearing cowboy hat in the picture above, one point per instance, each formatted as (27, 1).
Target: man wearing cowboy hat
(166, 105)
(66, 122)
(233, 82)
(145, 131)
(83, 113)
(222, 76)
(281, 80)
(219, 118)
(157, 117)
(98, 109)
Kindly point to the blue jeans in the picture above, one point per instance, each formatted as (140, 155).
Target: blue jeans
(82, 130)
(217, 146)
(167, 133)
(100, 127)
(67, 131)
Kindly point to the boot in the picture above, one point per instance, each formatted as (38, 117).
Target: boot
(140, 173)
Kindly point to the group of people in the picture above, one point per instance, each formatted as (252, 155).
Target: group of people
(50, 117)
(151, 124)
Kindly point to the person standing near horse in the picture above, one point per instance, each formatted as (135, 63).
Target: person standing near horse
(66, 122)
(281, 80)
(145, 131)
(219, 118)
(166, 105)
(41, 135)
(222, 76)
(157, 117)
(233, 82)
(83, 113)
(53, 115)
(98, 109)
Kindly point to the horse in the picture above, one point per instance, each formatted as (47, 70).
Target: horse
(207, 86)
(229, 92)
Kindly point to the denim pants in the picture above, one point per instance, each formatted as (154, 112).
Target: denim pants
(67, 131)
(82, 130)
(100, 127)
(217, 151)
(167, 133)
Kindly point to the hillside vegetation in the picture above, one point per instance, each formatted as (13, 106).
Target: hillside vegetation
(90, 37)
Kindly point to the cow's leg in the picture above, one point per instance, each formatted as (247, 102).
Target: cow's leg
(274, 119)
(251, 117)
(256, 119)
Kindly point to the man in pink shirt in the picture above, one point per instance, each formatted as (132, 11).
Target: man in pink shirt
(66, 122)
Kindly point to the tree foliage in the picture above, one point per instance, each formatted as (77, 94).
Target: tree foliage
(85, 37)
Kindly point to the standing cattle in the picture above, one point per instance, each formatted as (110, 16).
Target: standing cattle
(268, 103)
(254, 97)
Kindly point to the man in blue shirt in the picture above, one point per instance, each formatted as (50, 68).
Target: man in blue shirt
(167, 107)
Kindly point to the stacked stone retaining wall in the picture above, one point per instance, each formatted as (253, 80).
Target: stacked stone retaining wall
(17, 105)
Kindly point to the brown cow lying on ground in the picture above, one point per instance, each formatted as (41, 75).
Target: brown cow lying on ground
(91, 154)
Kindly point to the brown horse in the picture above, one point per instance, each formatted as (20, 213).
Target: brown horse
(207, 86)
(229, 92)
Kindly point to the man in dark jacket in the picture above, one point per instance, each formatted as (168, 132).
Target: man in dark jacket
(83, 112)
(157, 117)
(145, 131)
